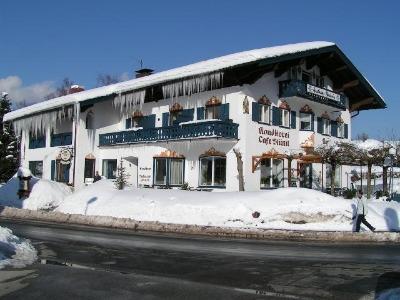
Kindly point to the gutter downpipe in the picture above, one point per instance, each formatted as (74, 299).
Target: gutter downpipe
(76, 119)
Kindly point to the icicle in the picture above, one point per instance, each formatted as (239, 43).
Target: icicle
(37, 124)
(130, 101)
(194, 85)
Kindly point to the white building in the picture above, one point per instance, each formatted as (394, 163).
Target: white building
(182, 125)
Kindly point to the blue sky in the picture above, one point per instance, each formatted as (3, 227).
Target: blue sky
(41, 42)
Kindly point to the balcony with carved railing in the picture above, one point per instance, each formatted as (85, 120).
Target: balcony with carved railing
(291, 88)
(211, 129)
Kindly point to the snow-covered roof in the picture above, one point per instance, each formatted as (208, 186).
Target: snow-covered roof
(195, 69)
(192, 70)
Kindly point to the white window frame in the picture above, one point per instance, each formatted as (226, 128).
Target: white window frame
(270, 184)
(303, 116)
(212, 112)
(326, 124)
(285, 116)
(340, 130)
(265, 113)
(212, 171)
(168, 171)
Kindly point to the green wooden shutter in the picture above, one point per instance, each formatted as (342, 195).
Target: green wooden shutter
(319, 125)
(255, 111)
(200, 113)
(293, 119)
(53, 169)
(185, 115)
(312, 122)
(165, 119)
(346, 131)
(148, 121)
(276, 116)
(224, 112)
(334, 128)
(128, 123)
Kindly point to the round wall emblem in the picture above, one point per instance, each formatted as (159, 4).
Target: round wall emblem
(65, 155)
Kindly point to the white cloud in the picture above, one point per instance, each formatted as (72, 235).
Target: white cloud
(20, 94)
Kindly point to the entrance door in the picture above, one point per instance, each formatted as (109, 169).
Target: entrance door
(305, 172)
(62, 171)
(89, 168)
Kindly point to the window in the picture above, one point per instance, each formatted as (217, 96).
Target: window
(213, 171)
(265, 113)
(340, 130)
(285, 116)
(110, 168)
(36, 168)
(326, 126)
(63, 169)
(306, 120)
(89, 120)
(174, 117)
(61, 139)
(319, 81)
(38, 141)
(271, 173)
(168, 171)
(306, 77)
(212, 112)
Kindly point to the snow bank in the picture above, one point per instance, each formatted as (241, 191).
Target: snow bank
(286, 208)
(45, 194)
(14, 251)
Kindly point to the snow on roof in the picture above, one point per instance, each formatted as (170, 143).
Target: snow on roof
(195, 69)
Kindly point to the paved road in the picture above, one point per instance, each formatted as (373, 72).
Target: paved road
(85, 263)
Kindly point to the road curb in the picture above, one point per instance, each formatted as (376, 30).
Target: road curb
(216, 231)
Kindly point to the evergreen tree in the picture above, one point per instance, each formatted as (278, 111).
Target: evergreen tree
(8, 143)
(122, 177)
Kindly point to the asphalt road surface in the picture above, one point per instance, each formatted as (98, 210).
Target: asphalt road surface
(77, 262)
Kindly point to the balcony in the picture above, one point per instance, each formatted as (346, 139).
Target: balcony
(291, 88)
(211, 129)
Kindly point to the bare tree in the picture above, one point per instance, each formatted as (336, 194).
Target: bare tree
(239, 168)
(335, 154)
(107, 79)
(62, 90)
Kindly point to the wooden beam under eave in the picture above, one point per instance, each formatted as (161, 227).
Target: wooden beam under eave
(360, 103)
(348, 85)
(338, 69)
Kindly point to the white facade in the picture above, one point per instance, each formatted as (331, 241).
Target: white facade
(138, 158)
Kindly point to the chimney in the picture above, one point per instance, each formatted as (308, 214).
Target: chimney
(143, 72)
(76, 89)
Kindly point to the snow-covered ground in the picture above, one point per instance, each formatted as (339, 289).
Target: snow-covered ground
(286, 208)
(14, 251)
(45, 194)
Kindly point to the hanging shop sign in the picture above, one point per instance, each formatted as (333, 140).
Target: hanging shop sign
(273, 137)
(65, 156)
(316, 91)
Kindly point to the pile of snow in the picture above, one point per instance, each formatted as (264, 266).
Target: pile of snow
(45, 194)
(14, 251)
(286, 208)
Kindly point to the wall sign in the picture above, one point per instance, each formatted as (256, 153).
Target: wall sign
(314, 90)
(273, 137)
(144, 176)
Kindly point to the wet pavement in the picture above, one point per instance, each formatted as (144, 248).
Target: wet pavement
(87, 263)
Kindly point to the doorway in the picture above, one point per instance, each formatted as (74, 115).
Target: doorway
(306, 176)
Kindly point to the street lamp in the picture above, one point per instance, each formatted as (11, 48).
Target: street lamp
(392, 157)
